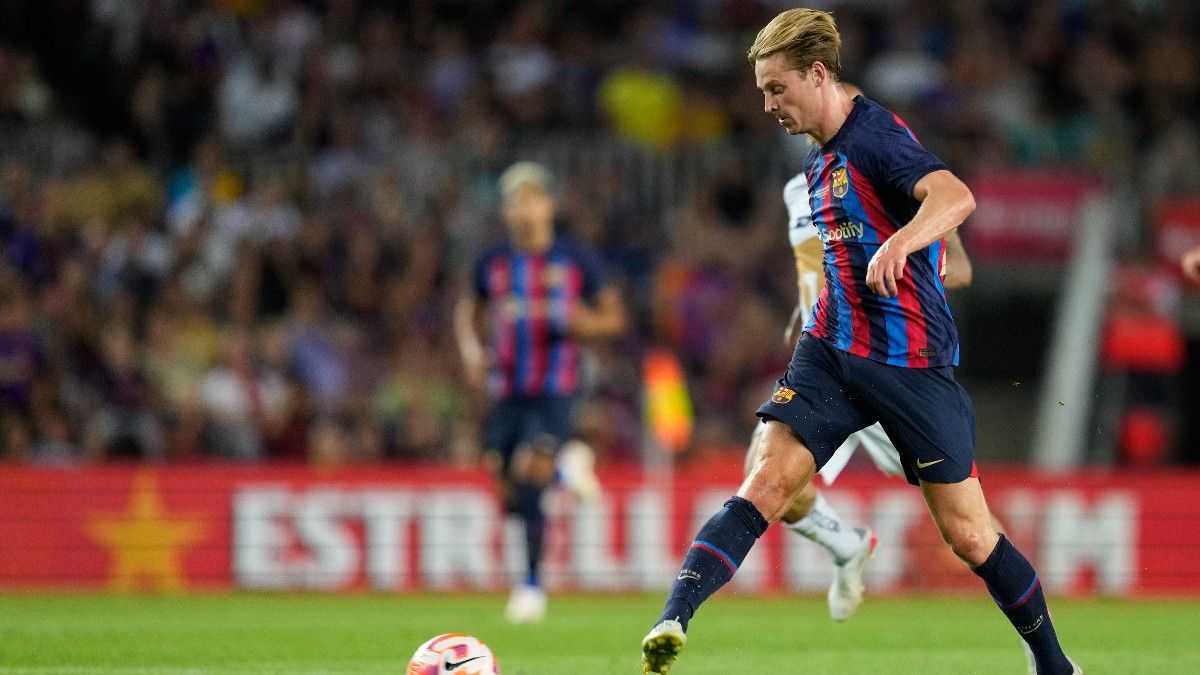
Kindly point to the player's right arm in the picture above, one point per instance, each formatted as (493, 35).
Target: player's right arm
(468, 317)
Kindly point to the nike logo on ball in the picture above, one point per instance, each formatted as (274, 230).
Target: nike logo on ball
(922, 465)
(451, 665)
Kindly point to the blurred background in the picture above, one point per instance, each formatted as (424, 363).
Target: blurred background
(232, 231)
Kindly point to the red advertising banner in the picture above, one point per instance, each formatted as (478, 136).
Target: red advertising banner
(394, 528)
(1026, 214)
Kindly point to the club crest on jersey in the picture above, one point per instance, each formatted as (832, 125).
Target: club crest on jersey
(840, 181)
(783, 395)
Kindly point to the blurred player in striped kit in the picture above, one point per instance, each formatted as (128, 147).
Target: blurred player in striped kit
(539, 295)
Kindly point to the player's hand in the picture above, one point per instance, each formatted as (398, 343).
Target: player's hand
(581, 323)
(1191, 264)
(887, 268)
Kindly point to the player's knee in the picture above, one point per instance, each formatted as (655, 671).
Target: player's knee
(532, 464)
(541, 469)
(772, 487)
(771, 501)
(971, 543)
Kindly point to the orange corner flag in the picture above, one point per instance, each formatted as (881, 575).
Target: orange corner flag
(667, 406)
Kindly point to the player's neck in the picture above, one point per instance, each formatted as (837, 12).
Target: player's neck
(537, 243)
(834, 114)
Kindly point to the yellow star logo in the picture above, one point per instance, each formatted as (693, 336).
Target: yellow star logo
(145, 542)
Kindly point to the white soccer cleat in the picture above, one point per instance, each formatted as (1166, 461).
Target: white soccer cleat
(577, 470)
(526, 604)
(661, 645)
(846, 590)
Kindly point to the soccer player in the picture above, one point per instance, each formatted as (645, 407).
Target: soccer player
(810, 514)
(1191, 263)
(541, 294)
(880, 347)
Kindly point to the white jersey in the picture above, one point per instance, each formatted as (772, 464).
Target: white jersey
(872, 439)
(799, 210)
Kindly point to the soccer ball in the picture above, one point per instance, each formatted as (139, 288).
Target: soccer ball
(453, 654)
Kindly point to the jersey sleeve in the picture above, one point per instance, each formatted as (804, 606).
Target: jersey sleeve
(895, 156)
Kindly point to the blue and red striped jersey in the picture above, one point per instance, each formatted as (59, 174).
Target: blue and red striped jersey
(860, 189)
(531, 296)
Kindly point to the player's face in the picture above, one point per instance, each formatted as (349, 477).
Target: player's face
(529, 212)
(787, 94)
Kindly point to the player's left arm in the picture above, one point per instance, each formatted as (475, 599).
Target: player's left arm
(468, 316)
(602, 318)
(600, 312)
(958, 263)
(945, 203)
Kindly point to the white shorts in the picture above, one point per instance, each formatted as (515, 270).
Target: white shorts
(879, 447)
(873, 439)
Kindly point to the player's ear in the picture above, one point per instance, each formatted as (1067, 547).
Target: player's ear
(820, 73)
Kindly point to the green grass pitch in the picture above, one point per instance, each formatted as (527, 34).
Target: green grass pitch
(584, 634)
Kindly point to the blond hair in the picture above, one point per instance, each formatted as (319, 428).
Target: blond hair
(524, 173)
(805, 36)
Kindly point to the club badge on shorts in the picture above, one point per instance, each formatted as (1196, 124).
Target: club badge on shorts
(783, 395)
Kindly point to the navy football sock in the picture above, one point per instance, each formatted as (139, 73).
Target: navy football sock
(720, 546)
(527, 503)
(1015, 587)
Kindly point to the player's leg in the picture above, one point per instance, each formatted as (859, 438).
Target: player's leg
(510, 461)
(531, 473)
(810, 404)
(544, 422)
(962, 516)
(527, 472)
(851, 548)
(812, 516)
(932, 422)
(781, 468)
(783, 465)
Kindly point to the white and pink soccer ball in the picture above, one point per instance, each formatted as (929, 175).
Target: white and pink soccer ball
(453, 654)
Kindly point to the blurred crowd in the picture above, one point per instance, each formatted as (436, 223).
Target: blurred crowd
(234, 229)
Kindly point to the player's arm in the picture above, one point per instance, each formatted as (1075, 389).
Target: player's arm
(604, 317)
(468, 317)
(945, 203)
(810, 279)
(958, 264)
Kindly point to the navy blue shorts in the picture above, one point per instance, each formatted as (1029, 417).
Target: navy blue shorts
(539, 422)
(828, 394)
